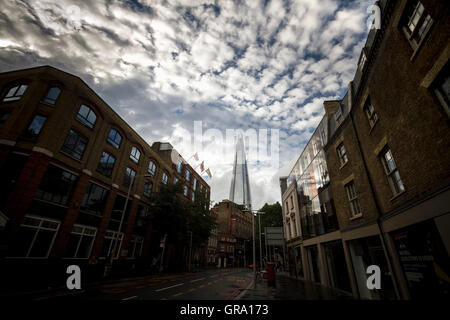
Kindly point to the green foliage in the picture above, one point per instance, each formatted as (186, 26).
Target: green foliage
(174, 215)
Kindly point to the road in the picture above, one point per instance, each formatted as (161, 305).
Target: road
(215, 284)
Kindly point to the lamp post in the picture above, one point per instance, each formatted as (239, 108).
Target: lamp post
(254, 247)
(121, 220)
(260, 246)
(190, 252)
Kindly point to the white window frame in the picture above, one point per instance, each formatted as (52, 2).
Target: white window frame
(390, 173)
(38, 228)
(83, 233)
(112, 235)
(135, 240)
(15, 93)
(420, 27)
(353, 198)
(342, 155)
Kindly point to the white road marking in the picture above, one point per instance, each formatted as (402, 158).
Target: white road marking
(197, 280)
(129, 298)
(214, 276)
(177, 285)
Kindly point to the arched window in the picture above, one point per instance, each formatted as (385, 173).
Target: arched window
(135, 154)
(15, 93)
(114, 138)
(87, 116)
(152, 168)
(52, 95)
(165, 178)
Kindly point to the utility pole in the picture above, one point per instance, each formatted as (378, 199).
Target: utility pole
(260, 246)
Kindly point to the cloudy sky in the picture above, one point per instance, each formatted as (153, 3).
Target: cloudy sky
(163, 64)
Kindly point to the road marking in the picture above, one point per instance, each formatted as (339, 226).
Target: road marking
(140, 287)
(129, 298)
(209, 283)
(192, 289)
(197, 280)
(214, 276)
(202, 286)
(177, 285)
(177, 294)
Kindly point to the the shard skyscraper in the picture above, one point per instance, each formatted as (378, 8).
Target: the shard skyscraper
(240, 184)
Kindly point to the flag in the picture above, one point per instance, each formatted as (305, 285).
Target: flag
(202, 166)
(209, 173)
(196, 156)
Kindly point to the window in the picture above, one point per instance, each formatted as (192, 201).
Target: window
(135, 154)
(187, 175)
(15, 93)
(338, 117)
(392, 173)
(112, 240)
(52, 95)
(56, 185)
(94, 199)
(106, 164)
(35, 127)
(442, 89)
(417, 23)
(35, 237)
(175, 180)
(362, 62)
(194, 185)
(353, 198)
(342, 154)
(193, 196)
(179, 167)
(114, 138)
(80, 242)
(370, 112)
(4, 115)
(135, 249)
(87, 116)
(165, 178)
(151, 168)
(130, 174)
(75, 144)
(185, 190)
(148, 188)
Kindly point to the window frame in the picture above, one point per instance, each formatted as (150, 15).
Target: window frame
(147, 192)
(342, 155)
(112, 141)
(85, 120)
(34, 136)
(82, 234)
(133, 157)
(113, 164)
(79, 137)
(165, 181)
(412, 7)
(127, 176)
(152, 173)
(353, 198)
(390, 173)
(372, 117)
(14, 97)
(48, 100)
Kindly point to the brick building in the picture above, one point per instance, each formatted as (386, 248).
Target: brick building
(234, 231)
(388, 158)
(67, 160)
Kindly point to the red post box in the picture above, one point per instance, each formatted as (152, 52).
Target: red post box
(270, 273)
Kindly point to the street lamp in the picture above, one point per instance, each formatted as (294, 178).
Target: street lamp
(254, 247)
(260, 246)
(121, 218)
(190, 252)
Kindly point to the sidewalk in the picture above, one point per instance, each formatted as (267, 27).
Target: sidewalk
(290, 288)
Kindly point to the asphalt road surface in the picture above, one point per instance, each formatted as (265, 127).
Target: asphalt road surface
(216, 284)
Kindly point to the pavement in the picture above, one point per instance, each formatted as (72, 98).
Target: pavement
(290, 288)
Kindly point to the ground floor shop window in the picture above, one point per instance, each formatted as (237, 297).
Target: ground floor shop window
(298, 261)
(366, 252)
(35, 237)
(80, 242)
(314, 264)
(337, 266)
(112, 240)
(424, 259)
(135, 249)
